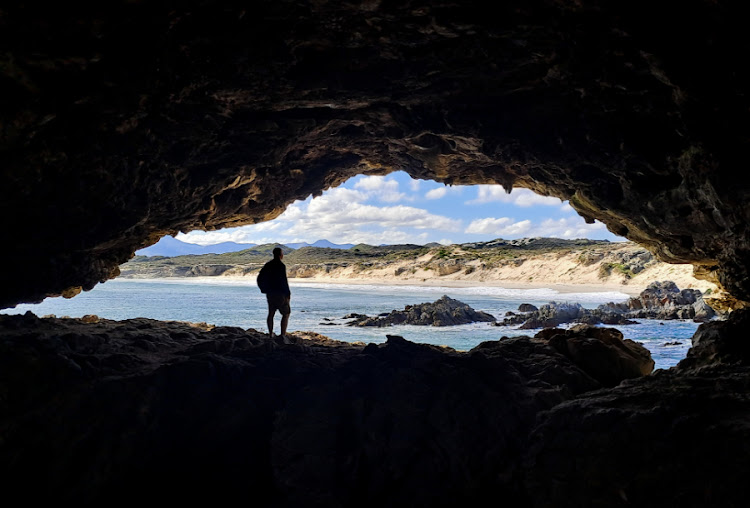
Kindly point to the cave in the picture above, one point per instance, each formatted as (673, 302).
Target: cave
(127, 121)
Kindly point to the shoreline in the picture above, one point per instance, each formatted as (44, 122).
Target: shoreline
(562, 288)
(622, 270)
(453, 283)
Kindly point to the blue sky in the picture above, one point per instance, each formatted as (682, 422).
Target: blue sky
(396, 209)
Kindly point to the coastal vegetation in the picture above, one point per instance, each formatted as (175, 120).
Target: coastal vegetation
(527, 260)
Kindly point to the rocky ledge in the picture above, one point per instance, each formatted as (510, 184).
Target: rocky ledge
(445, 311)
(660, 300)
(94, 410)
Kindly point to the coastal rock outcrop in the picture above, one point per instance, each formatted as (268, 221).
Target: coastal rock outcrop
(550, 315)
(663, 300)
(445, 311)
(660, 300)
(527, 307)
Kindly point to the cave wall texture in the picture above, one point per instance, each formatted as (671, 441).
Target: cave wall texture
(130, 120)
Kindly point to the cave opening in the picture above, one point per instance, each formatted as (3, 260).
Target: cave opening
(398, 209)
(133, 119)
(379, 243)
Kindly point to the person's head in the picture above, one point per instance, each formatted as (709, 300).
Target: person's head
(277, 253)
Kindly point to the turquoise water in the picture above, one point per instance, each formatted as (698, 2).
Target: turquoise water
(239, 303)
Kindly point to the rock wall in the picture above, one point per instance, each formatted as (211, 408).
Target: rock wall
(218, 115)
(126, 121)
(96, 411)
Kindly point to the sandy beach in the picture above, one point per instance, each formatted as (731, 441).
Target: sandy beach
(454, 283)
(614, 268)
(552, 271)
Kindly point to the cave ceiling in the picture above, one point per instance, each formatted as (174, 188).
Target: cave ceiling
(129, 120)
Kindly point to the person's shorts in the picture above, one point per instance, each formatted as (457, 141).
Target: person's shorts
(280, 302)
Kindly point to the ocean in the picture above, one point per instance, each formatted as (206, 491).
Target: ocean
(321, 308)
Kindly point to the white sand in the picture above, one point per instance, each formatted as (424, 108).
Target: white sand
(560, 273)
(456, 283)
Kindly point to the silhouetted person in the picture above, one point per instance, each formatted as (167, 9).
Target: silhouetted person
(273, 283)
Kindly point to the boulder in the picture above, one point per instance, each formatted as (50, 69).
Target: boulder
(449, 267)
(663, 300)
(669, 439)
(445, 311)
(553, 314)
(601, 352)
(721, 342)
(660, 300)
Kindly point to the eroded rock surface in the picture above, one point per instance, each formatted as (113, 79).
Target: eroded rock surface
(126, 121)
(601, 352)
(96, 411)
(721, 342)
(670, 439)
(222, 115)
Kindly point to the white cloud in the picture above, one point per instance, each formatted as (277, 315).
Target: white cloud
(380, 187)
(566, 208)
(518, 197)
(389, 237)
(372, 210)
(437, 193)
(326, 212)
(238, 235)
(568, 227)
(527, 198)
(336, 197)
(504, 226)
(339, 215)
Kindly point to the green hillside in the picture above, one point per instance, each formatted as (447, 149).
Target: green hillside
(251, 259)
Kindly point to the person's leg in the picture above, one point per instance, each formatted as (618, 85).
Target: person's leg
(284, 322)
(285, 309)
(269, 319)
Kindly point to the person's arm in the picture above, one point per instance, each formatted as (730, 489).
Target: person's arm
(286, 285)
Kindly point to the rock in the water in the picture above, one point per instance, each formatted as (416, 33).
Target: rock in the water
(553, 314)
(445, 311)
(660, 300)
(663, 300)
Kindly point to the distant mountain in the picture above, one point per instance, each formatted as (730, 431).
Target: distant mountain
(320, 243)
(169, 247)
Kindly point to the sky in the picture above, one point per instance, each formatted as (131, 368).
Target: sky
(396, 209)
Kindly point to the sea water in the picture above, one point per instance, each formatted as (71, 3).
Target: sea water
(322, 308)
